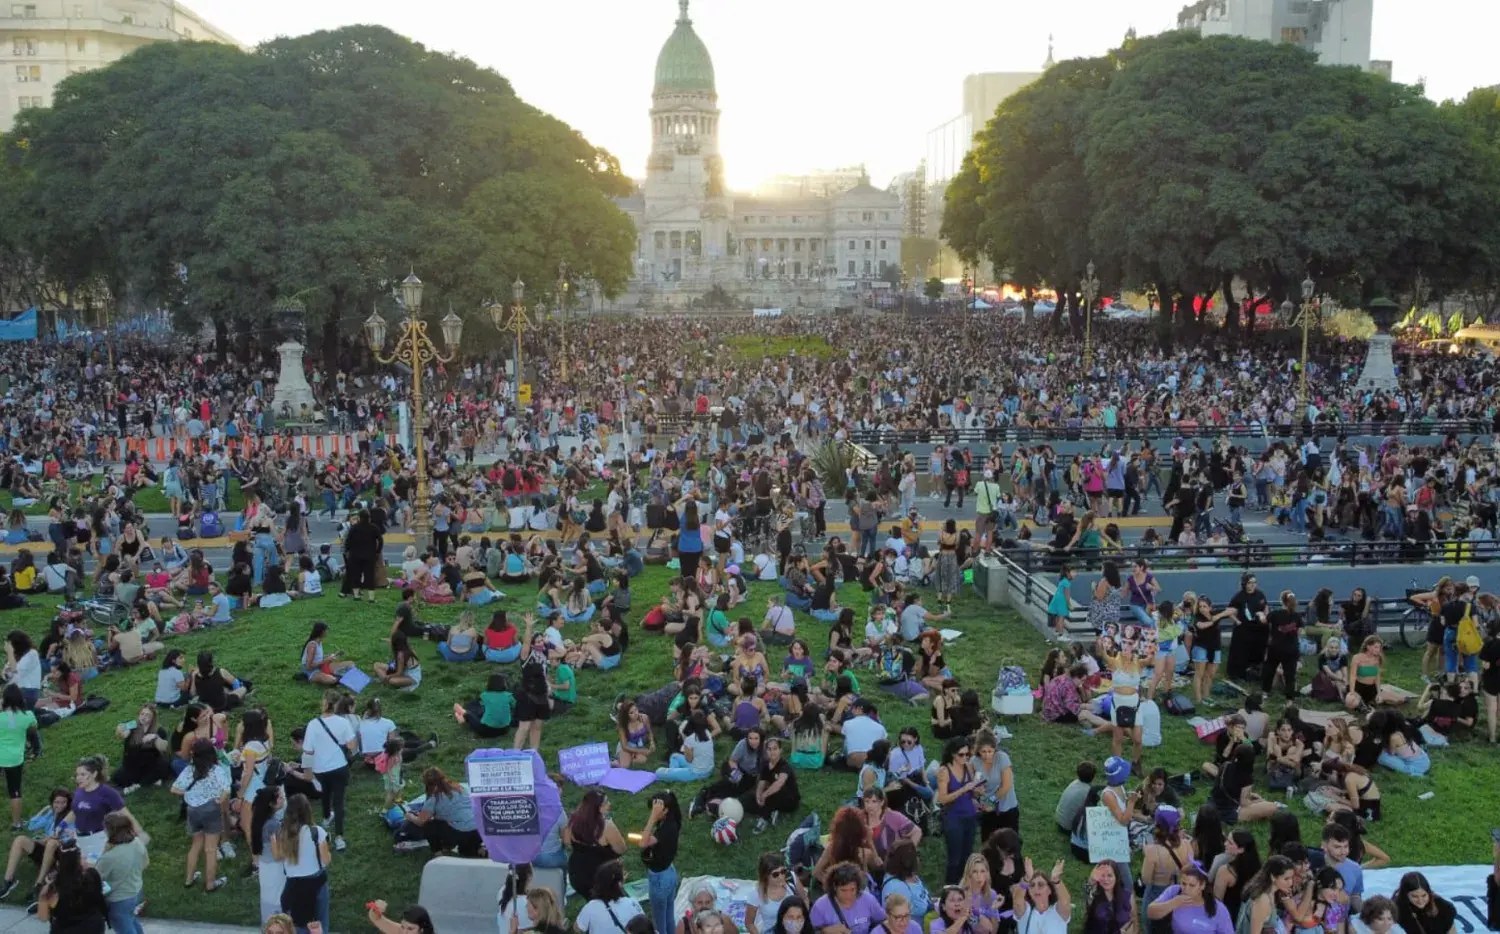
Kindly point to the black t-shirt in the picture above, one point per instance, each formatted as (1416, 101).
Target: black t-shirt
(1468, 708)
(823, 596)
(1207, 638)
(660, 855)
(1230, 788)
(1442, 714)
(769, 773)
(1489, 677)
(1453, 613)
(1250, 605)
(1284, 628)
(407, 621)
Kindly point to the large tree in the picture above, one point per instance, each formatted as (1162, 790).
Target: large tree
(215, 181)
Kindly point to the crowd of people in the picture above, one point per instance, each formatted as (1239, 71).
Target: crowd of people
(731, 502)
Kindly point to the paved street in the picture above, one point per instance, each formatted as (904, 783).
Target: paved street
(17, 921)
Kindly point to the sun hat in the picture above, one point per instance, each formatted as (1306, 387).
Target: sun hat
(1116, 770)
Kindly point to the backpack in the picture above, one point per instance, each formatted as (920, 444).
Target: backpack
(325, 573)
(1180, 705)
(654, 704)
(1012, 679)
(209, 526)
(1469, 641)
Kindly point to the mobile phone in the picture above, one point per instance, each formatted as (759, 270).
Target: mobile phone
(128, 725)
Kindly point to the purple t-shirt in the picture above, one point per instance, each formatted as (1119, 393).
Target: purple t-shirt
(864, 914)
(90, 808)
(1194, 920)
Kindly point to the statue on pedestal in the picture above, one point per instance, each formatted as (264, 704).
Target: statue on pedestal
(1380, 367)
(293, 400)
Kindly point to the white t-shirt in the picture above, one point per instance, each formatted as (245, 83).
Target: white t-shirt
(554, 637)
(307, 853)
(311, 582)
(595, 919)
(373, 734)
(323, 749)
(29, 671)
(1042, 922)
(860, 733)
(167, 681)
(1148, 718)
(765, 568)
(515, 910)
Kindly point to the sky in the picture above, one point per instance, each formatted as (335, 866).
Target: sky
(816, 84)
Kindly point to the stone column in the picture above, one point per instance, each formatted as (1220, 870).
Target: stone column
(292, 391)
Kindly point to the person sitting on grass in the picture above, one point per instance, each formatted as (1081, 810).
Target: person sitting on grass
(447, 816)
(696, 760)
(502, 641)
(462, 644)
(43, 834)
(601, 648)
(490, 716)
(215, 686)
(578, 606)
(375, 730)
(309, 582)
(273, 590)
(318, 667)
(478, 591)
(515, 568)
(637, 741)
(404, 670)
(66, 693)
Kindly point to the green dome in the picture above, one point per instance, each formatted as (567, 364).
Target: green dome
(684, 63)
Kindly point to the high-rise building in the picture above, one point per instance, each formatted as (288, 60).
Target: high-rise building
(1337, 30)
(44, 41)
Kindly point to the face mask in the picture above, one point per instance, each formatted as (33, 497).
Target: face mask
(792, 926)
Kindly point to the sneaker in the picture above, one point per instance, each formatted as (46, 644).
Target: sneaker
(775, 817)
(760, 825)
(339, 845)
(33, 906)
(193, 881)
(8, 887)
(326, 823)
(226, 850)
(406, 846)
(130, 789)
(217, 884)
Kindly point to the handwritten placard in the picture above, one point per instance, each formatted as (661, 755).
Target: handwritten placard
(584, 765)
(510, 816)
(1108, 838)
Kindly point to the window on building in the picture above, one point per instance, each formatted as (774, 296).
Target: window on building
(781, 245)
(867, 216)
(764, 220)
(23, 10)
(1295, 34)
(23, 46)
(26, 103)
(765, 244)
(867, 244)
(796, 219)
(882, 269)
(882, 244)
(797, 245)
(851, 267)
(747, 218)
(1297, 7)
(187, 33)
(25, 73)
(885, 215)
(851, 244)
(78, 11)
(127, 19)
(749, 244)
(867, 267)
(797, 269)
(812, 246)
(676, 239)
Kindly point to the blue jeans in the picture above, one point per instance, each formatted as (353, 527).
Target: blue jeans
(1416, 765)
(662, 888)
(264, 554)
(502, 656)
(451, 656)
(122, 917)
(1453, 662)
(322, 909)
(958, 833)
(1142, 616)
(678, 770)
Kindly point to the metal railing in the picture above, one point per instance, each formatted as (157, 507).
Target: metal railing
(1257, 554)
(953, 435)
(1390, 617)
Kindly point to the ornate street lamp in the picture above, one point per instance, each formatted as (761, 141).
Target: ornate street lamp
(1090, 289)
(415, 349)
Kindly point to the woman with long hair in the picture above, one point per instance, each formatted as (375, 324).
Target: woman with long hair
(775, 885)
(265, 820)
(72, 901)
(1109, 907)
(1208, 834)
(1163, 857)
(848, 842)
(1233, 868)
(658, 842)
(301, 846)
(608, 906)
(958, 787)
(1268, 898)
(1420, 910)
(414, 920)
(318, 666)
(204, 787)
(447, 816)
(847, 901)
(592, 838)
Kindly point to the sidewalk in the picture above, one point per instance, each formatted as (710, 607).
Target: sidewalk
(17, 921)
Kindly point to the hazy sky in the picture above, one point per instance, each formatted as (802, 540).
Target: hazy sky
(807, 84)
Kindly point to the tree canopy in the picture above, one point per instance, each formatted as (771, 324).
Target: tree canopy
(215, 182)
(1188, 164)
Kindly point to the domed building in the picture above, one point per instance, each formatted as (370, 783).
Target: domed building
(811, 240)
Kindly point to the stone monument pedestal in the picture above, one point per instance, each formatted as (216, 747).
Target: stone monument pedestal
(292, 390)
(1380, 367)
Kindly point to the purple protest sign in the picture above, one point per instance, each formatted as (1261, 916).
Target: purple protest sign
(584, 765)
(515, 803)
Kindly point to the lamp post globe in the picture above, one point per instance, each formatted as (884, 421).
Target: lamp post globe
(411, 294)
(374, 328)
(453, 330)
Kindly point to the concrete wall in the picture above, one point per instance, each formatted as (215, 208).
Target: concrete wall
(1380, 581)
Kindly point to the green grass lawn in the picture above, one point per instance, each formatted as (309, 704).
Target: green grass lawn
(1449, 829)
(149, 500)
(748, 348)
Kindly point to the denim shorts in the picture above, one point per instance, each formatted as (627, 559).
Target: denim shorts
(1200, 654)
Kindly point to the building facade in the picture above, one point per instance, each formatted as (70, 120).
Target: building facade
(809, 236)
(44, 41)
(1338, 31)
